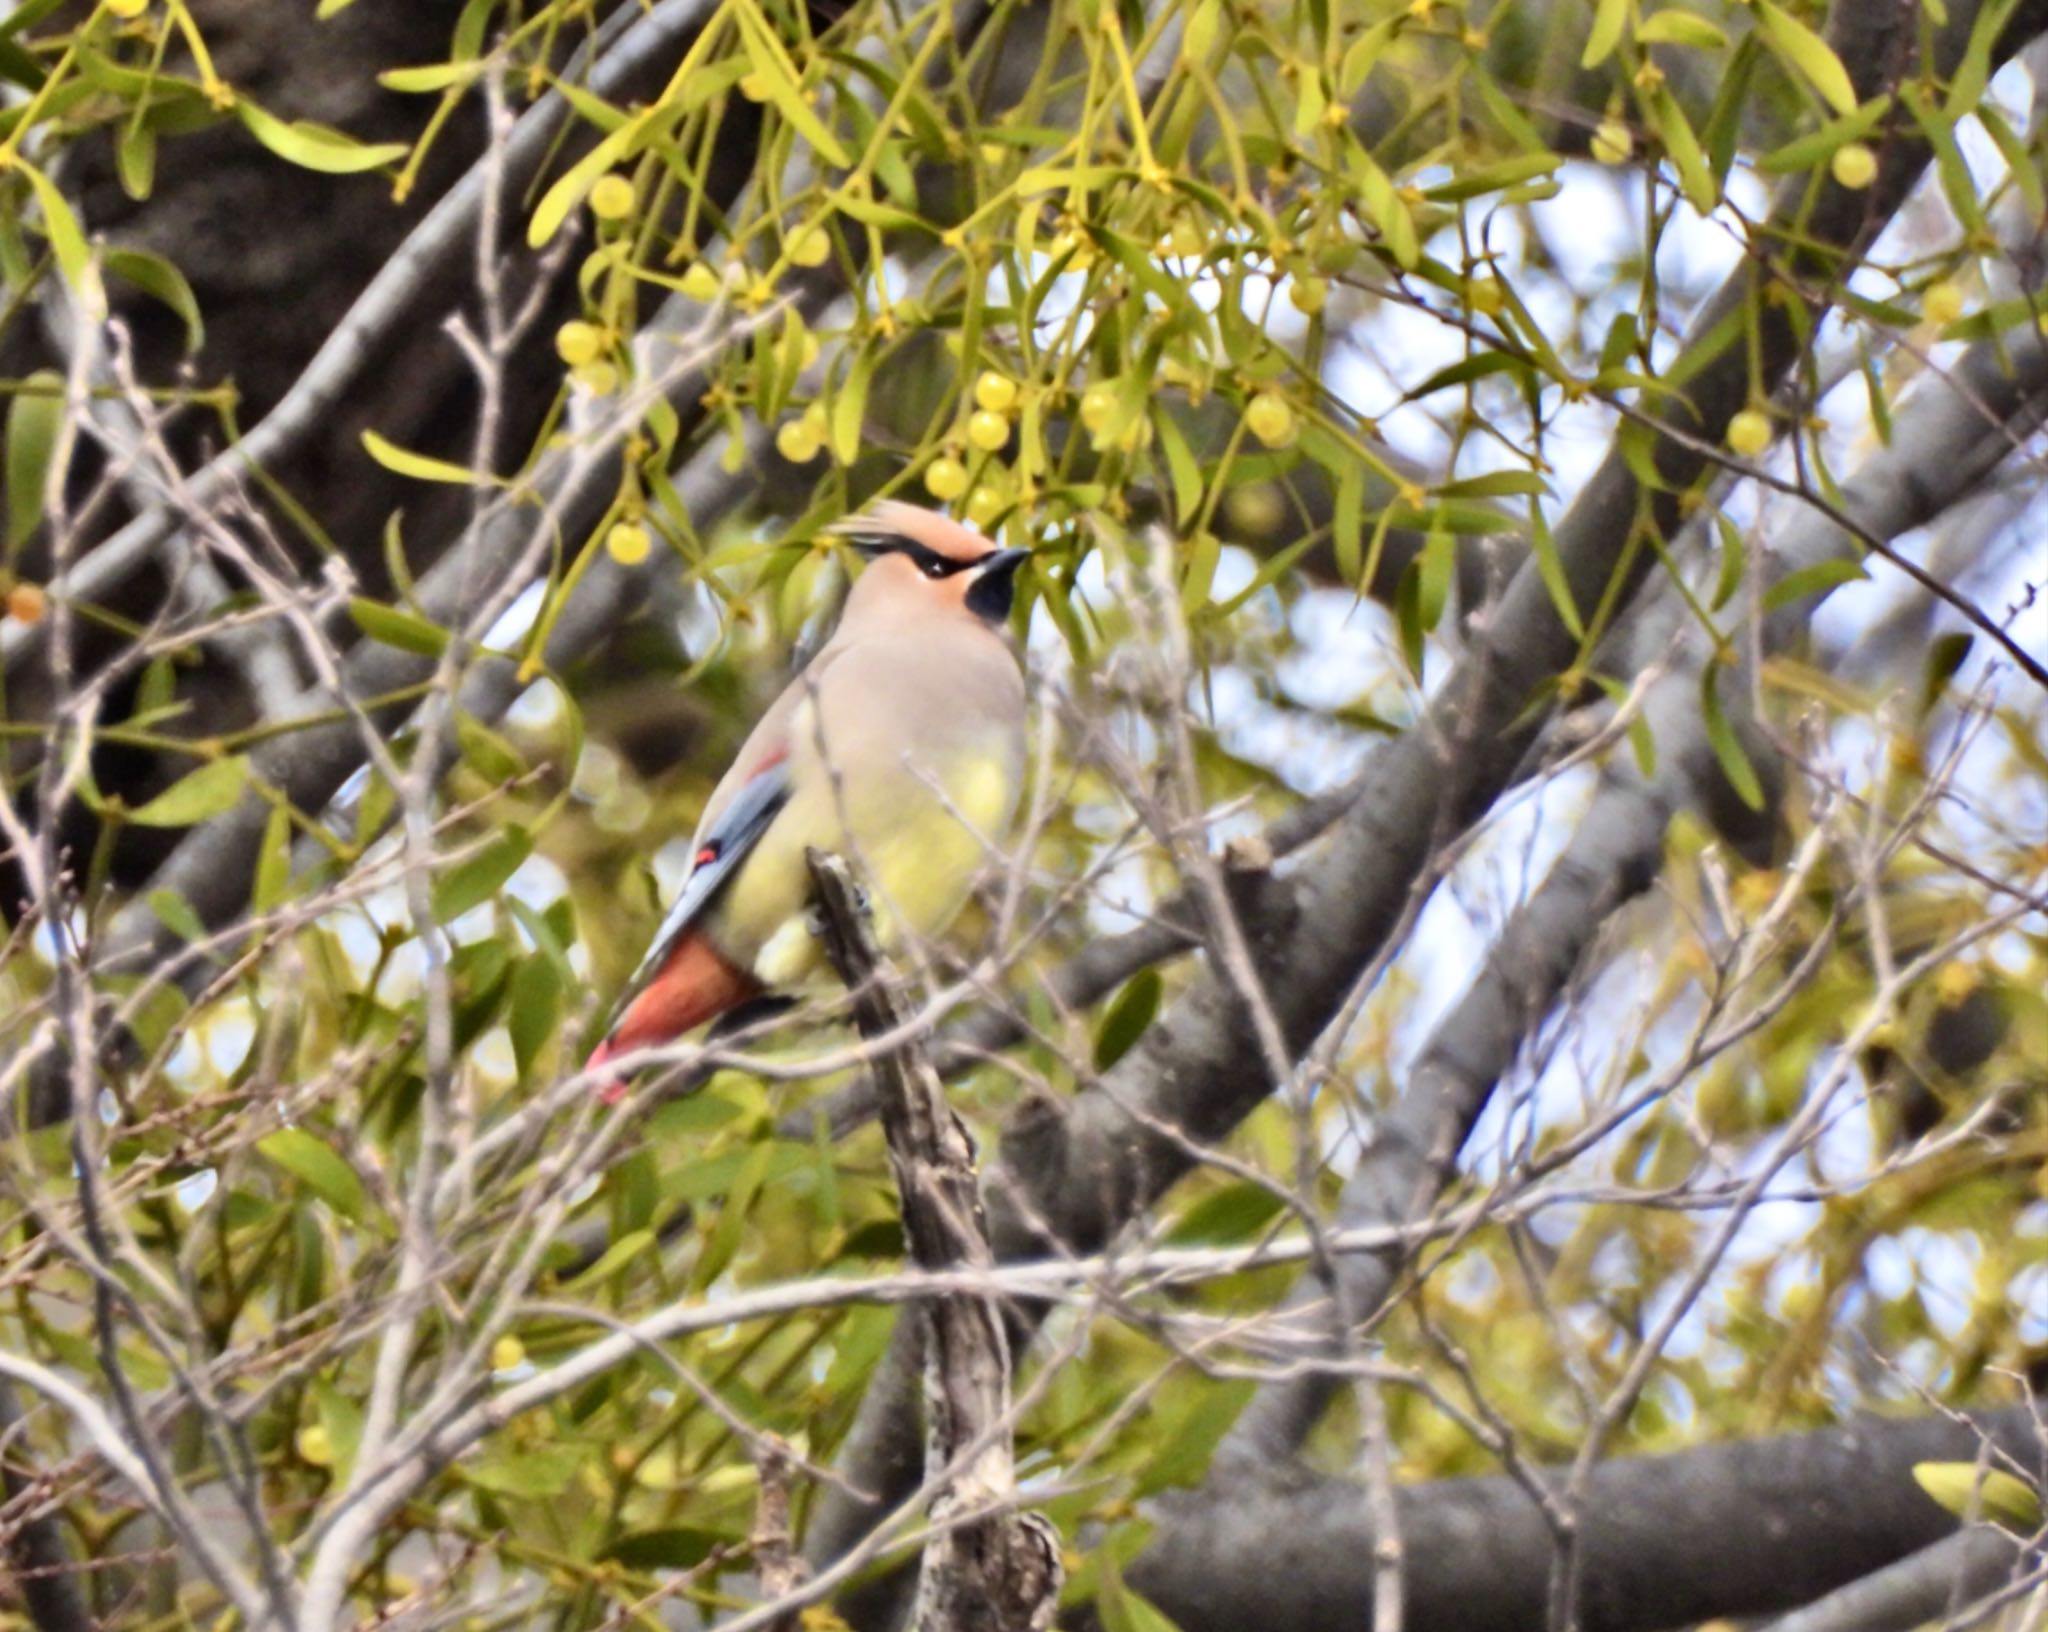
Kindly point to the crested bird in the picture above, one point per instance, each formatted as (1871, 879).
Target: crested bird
(901, 744)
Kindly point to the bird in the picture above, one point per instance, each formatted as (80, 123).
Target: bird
(901, 744)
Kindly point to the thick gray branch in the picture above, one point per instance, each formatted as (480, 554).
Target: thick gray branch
(1750, 1528)
(1914, 1591)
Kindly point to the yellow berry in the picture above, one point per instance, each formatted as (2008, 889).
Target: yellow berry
(988, 431)
(577, 343)
(1270, 417)
(127, 10)
(1854, 166)
(1953, 982)
(700, 282)
(810, 248)
(600, 379)
(612, 198)
(627, 543)
(26, 603)
(1749, 432)
(984, 504)
(753, 87)
(945, 478)
(1308, 295)
(1485, 297)
(1098, 402)
(995, 392)
(1613, 142)
(1942, 303)
(508, 1353)
(315, 1446)
(798, 442)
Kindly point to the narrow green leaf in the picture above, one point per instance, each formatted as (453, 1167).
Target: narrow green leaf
(176, 914)
(1807, 53)
(315, 147)
(850, 407)
(1814, 581)
(197, 797)
(394, 626)
(534, 1007)
(67, 238)
(34, 419)
(779, 75)
(473, 882)
(318, 1168)
(614, 1258)
(154, 275)
(416, 465)
(273, 861)
(1605, 34)
(1181, 467)
(1129, 1013)
(1675, 27)
(1726, 744)
(2001, 1497)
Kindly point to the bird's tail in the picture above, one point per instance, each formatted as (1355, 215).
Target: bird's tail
(694, 984)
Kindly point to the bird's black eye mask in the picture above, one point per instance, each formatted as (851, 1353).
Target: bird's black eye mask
(927, 561)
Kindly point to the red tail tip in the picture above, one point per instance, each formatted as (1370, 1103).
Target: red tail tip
(610, 1090)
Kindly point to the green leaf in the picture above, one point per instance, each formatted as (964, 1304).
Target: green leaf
(1494, 178)
(533, 1009)
(1124, 1022)
(1808, 54)
(779, 75)
(1726, 744)
(34, 419)
(394, 626)
(849, 409)
(1818, 146)
(197, 797)
(2000, 1497)
(416, 465)
(473, 882)
(615, 1257)
(315, 147)
(273, 861)
(1605, 34)
(154, 275)
(1181, 467)
(1815, 580)
(1944, 656)
(176, 914)
(1675, 27)
(536, 1471)
(67, 238)
(314, 1165)
(673, 1547)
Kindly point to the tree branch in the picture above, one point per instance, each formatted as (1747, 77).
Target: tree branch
(999, 1572)
(1749, 1528)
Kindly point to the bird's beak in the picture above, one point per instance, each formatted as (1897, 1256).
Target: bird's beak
(992, 590)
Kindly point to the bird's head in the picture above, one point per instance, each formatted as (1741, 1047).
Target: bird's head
(918, 560)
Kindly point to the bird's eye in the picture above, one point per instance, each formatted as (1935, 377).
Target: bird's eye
(934, 566)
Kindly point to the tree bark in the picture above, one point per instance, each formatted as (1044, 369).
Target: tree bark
(988, 1568)
(1755, 1527)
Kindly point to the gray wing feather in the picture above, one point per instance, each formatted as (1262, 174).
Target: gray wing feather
(722, 848)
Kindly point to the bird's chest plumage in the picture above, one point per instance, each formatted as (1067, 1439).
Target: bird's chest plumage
(914, 773)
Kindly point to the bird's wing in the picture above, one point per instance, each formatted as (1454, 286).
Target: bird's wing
(721, 847)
